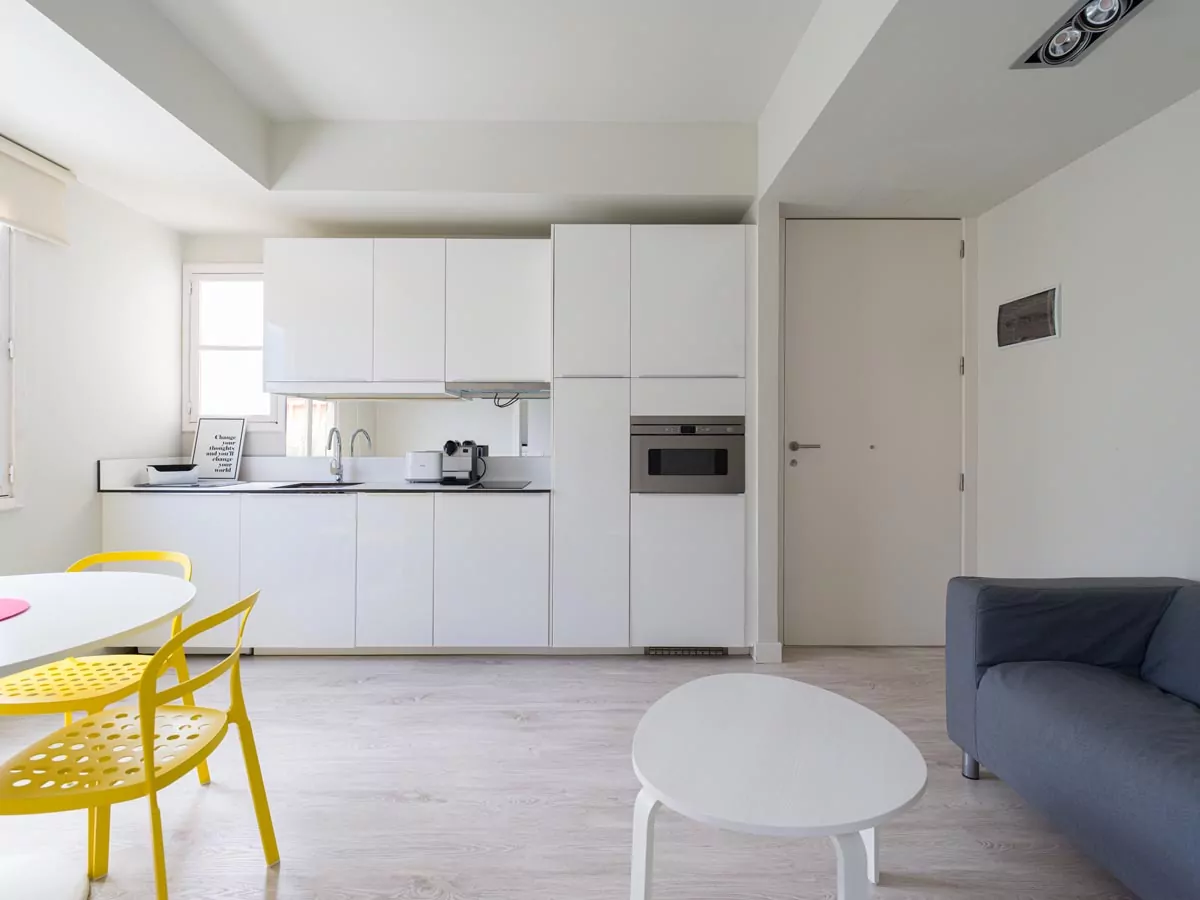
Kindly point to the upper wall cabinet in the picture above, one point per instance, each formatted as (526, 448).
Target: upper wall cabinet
(498, 310)
(318, 309)
(591, 301)
(410, 310)
(688, 300)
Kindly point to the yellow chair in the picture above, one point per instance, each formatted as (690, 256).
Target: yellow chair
(90, 683)
(110, 757)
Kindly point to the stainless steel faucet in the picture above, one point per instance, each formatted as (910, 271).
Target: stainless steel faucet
(335, 464)
(354, 437)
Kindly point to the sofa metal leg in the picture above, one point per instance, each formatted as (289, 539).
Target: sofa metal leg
(970, 767)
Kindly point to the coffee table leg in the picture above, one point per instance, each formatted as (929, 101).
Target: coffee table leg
(871, 840)
(851, 866)
(642, 865)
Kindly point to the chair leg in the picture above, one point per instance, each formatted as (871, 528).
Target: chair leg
(160, 854)
(181, 672)
(67, 717)
(99, 819)
(258, 791)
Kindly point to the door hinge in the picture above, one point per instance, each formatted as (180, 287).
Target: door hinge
(12, 473)
(12, 349)
(962, 365)
(962, 249)
(962, 482)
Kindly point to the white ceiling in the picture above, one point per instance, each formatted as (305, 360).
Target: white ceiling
(931, 121)
(500, 60)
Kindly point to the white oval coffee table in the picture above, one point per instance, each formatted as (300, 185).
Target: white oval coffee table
(765, 755)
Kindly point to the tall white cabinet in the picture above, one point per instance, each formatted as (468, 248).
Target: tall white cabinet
(688, 300)
(498, 310)
(591, 512)
(591, 301)
(687, 575)
(318, 309)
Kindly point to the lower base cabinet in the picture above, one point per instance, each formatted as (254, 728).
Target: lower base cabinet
(299, 551)
(687, 578)
(395, 571)
(206, 528)
(491, 578)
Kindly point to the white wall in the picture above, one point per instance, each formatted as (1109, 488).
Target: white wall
(1089, 445)
(221, 248)
(97, 372)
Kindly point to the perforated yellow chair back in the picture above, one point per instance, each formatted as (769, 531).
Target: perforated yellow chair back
(127, 752)
(89, 683)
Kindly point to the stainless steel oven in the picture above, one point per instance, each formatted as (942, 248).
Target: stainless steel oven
(687, 455)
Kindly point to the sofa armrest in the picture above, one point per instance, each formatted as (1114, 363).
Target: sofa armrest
(1099, 621)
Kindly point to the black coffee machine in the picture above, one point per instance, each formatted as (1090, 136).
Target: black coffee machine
(463, 462)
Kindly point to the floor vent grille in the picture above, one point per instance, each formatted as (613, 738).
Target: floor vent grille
(687, 651)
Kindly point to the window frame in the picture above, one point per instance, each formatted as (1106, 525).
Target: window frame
(192, 273)
(8, 399)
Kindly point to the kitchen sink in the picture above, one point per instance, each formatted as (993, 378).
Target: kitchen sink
(317, 486)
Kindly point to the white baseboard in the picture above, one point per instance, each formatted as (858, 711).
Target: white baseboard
(768, 653)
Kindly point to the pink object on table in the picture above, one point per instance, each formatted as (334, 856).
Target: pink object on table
(11, 606)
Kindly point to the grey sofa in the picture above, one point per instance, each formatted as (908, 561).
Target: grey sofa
(1084, 696)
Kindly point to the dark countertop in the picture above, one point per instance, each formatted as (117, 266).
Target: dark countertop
(377, 487)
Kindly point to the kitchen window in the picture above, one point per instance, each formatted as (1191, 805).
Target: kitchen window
(6, 367)
(223, 325)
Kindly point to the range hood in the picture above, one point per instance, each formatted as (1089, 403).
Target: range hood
(503, 390)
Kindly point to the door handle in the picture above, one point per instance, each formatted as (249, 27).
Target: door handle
(795, 445)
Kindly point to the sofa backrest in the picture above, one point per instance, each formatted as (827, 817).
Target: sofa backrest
(1173, 654)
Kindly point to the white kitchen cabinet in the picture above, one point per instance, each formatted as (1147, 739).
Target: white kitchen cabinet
(205, 527)
(590, 544)
(317, 309)
(687, 570)
(498, 310)
(688, 397)
(395, 571)
(410, 309)
(491, 582)
(591, 301)
(688, 300)
(299, 551)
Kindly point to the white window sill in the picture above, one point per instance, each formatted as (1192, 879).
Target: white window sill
(7, 503)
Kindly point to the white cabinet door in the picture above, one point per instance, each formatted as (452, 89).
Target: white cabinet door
(688, 300)
(205, 527)
(689, 397)
(498, 310)
(591, 512)
(591, 301)
(318, 309)
(687, 570)
(395, 571)
(299, 552)
(410, 309)
(491, 581)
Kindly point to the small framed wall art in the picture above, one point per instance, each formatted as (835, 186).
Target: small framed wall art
(217, 452)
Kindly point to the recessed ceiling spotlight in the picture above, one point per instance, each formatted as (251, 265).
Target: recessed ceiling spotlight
(1076, 33)
(1099, 14)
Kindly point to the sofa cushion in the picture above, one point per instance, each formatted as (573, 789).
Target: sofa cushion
(1173, 654)
(1111, 759)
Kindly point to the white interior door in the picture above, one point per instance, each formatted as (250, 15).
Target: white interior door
(872, 507)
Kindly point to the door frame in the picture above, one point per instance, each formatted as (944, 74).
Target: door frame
(968, 395)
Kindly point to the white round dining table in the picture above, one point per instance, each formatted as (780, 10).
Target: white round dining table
(71, 614)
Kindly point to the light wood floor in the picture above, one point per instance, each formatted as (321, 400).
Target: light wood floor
(509, 779)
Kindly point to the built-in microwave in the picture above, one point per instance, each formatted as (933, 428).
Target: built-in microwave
(687, 455)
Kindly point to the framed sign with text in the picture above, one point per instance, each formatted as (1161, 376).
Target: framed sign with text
(217, 452)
